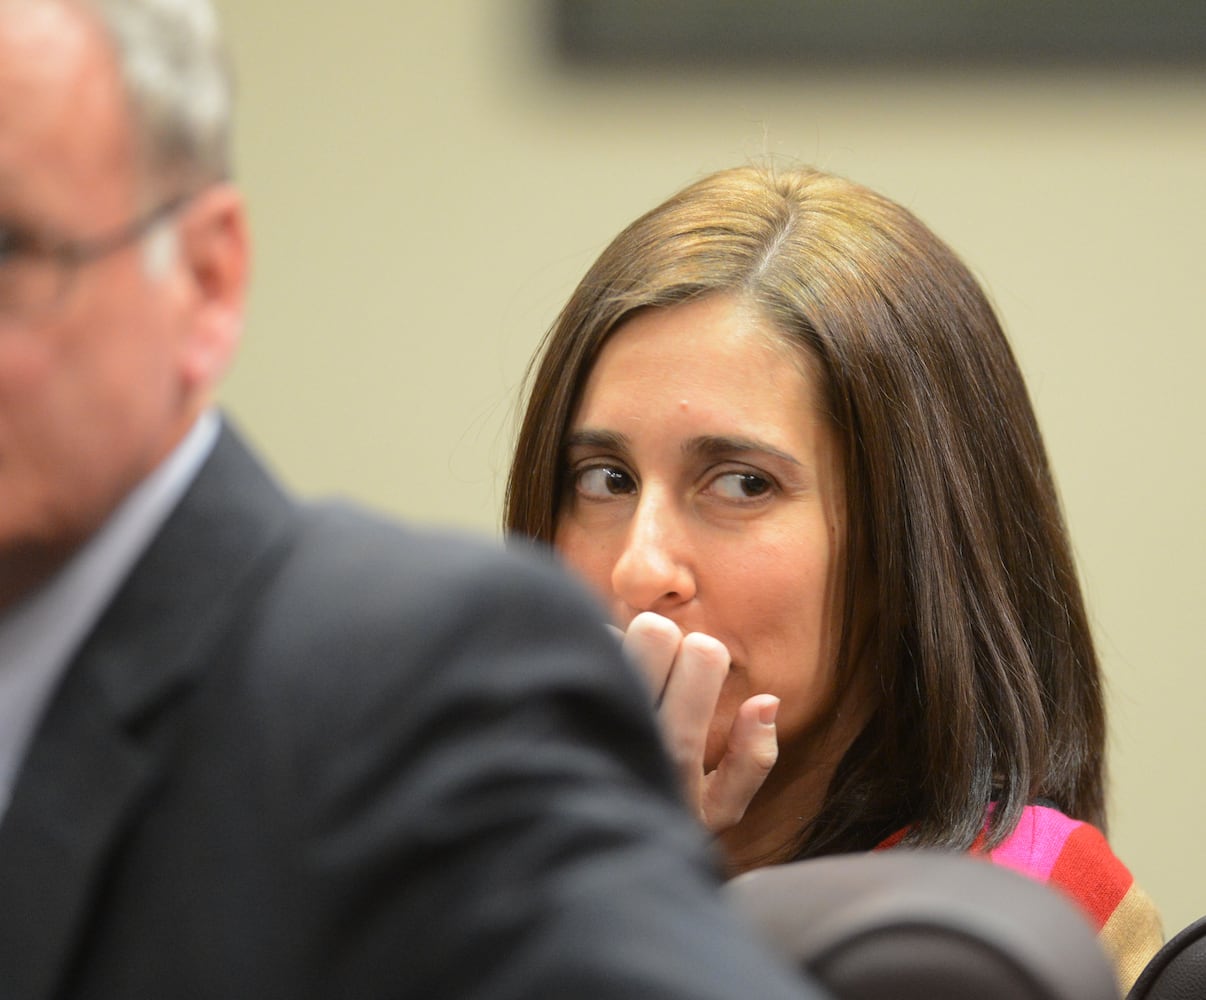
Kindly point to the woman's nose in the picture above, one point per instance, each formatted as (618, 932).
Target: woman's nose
(654, 571)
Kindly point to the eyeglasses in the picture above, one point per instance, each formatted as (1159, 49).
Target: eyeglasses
(36, 271)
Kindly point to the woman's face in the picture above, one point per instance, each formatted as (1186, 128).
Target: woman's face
(705, 485)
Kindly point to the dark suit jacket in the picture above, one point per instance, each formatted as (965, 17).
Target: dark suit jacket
(307, 753)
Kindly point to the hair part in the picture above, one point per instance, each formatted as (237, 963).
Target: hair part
(961, 598)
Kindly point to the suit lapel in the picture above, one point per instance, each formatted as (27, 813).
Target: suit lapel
(98, 751)
(86, 776)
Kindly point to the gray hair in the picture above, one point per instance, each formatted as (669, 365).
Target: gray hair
(173, 63)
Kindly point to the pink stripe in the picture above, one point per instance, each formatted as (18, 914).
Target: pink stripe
(1034, 845)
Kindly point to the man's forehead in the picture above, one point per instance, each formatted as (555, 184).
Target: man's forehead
(65, 140)
(32, 18)
(43, 43)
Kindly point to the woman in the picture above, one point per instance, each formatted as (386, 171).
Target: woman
(779, 429)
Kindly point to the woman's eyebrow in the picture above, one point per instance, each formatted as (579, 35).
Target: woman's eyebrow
(713, 446)
(589, 438)
(719, 446)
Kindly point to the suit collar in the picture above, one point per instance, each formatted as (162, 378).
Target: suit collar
(183, 589)
(98, 751)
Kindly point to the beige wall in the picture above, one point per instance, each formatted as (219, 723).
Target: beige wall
(425, 192)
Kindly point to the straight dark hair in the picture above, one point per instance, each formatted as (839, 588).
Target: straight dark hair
(970, 620)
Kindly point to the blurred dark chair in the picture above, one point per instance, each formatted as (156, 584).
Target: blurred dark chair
(1178, 970)
(920, 925)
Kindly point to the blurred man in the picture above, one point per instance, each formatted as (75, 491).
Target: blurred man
(252, 748)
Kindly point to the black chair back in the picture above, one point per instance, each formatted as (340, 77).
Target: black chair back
(922, 925)
(1178, 970)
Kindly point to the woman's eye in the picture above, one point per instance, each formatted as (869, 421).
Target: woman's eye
(740, 486)
(603, 481)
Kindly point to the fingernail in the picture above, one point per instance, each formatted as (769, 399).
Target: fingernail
(768, 711)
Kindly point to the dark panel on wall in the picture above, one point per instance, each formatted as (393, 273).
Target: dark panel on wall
(868, 33)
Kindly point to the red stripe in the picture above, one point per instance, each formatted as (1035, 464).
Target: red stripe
(1089, 871)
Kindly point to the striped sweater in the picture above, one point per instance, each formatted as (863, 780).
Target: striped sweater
(1075, 858)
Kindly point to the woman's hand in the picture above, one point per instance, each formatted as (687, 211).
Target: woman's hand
(686, 673)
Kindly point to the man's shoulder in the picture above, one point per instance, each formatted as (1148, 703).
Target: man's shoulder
(341, 555)
(362, 595)
(346, 606)
(375, 640)
(351, 554)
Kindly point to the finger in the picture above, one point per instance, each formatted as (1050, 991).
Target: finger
(688, 704)
(651, 642)
(752, 750)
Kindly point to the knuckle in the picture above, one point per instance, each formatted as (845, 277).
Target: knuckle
(764, 758)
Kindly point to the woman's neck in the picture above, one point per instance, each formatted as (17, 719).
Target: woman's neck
(777, 817)
(769, 832)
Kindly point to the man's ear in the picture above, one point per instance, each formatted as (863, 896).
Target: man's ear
(214, 258)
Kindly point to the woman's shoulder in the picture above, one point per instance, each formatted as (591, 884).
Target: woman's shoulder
(1048, 845)
(1075, 857)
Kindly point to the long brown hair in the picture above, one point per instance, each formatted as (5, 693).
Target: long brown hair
(959, 573)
